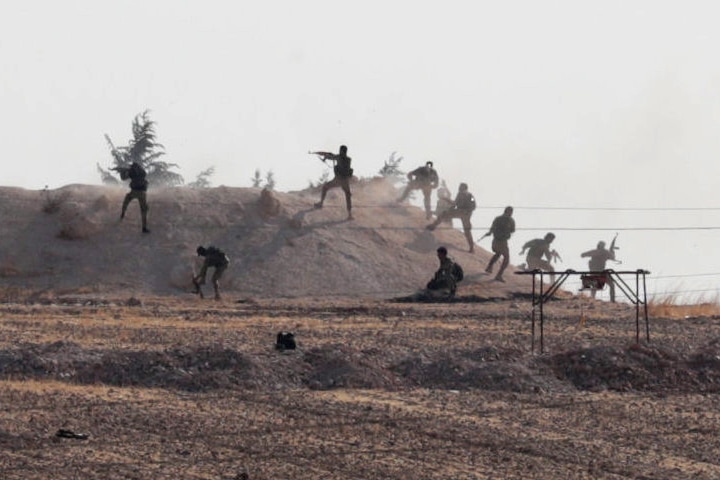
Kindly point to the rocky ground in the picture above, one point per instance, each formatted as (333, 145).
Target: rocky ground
(175, 387)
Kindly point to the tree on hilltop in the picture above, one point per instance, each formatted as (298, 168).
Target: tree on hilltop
(391, 167)
(203, 179)
(143, 149)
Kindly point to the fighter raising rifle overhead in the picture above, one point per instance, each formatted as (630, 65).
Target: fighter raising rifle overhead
(343, 174)
(613, 247)
(597, 263)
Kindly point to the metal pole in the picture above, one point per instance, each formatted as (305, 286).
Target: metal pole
(647, 322)
(532, 344)
(539, 296)
(542, 314)
(637, 307)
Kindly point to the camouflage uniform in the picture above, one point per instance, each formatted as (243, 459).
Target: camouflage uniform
(538, 248)
(501, 230)
(138, 189)
(425, 179)
(444, 202)
(343, 174)
(462, 208)
(216, 258)
(597, 263)
(444, 278)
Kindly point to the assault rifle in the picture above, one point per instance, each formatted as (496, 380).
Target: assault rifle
(614, 247)
(123, 171)
(323, 155)
(555, 256)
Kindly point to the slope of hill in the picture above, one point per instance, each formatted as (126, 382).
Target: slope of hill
(72, 240)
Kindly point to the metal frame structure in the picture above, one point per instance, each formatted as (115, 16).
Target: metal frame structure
(539, 297)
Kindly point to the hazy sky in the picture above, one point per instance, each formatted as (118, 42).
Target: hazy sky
(547, 104)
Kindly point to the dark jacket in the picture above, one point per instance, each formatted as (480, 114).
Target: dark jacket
(465, 201)
(137, 176)
(214, 257)
(502, 227)
(342, 167)
(425, 175)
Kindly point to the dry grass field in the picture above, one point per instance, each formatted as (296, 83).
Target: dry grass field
(175, 387)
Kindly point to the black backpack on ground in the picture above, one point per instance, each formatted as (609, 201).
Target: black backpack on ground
(285, 341)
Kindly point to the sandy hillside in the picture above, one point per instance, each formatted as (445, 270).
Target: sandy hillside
(71, 240)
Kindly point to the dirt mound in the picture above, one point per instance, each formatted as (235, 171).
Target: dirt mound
(71, 240)
(490, 370)
(339, 366)
(198, 368)
(640, 367)
(333, 366)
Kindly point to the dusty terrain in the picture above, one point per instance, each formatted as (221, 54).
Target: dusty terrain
(71, 239)
(178, 388)
(166, 385)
